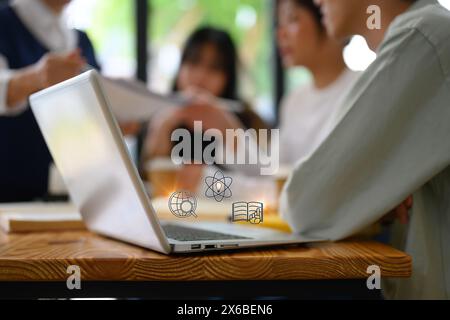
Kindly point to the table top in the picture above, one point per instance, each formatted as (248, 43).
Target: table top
(46, 256)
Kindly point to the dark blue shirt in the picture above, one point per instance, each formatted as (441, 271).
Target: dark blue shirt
(24, 157)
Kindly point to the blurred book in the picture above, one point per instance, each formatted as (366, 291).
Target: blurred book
(29, 217)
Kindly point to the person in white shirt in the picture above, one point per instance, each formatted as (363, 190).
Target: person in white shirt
(391, 142)
(37, 50)
(64, 60)
(309, 113)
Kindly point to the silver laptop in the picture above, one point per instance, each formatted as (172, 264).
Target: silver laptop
(89, 151)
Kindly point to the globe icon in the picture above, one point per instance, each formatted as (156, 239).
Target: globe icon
(182, 204)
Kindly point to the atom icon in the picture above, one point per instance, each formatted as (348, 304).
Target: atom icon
(182, 204)
(218, 186)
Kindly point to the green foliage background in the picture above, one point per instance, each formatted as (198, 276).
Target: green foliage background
(115, 18)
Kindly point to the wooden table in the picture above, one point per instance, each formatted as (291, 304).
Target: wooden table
(31, 264)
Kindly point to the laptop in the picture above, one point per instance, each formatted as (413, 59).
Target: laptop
(89, 150)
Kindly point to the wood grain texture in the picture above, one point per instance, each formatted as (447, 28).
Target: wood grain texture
(46, 256)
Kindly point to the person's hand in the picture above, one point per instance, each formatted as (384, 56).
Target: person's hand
(51, 69)
(206, 108)
(54, 68)
(401, 212)
(189, 177)
(159, 142)
(211, 116)
(203, 108)
(130, 128)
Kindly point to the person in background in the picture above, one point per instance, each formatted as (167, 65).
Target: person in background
(308, 114)
(208, 70)
(391, 142)
(37, 50)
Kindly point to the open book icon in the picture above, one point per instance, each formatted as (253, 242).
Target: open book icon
(252, 212)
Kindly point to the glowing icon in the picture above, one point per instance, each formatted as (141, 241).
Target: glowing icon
(252, 212)
(182, 204)
(218, 186)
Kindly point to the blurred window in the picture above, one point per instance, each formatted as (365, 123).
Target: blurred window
(111, 28)
(248, 21)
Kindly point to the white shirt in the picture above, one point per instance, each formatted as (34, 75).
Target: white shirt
(392, 141)
(308, 115)
(49, 29)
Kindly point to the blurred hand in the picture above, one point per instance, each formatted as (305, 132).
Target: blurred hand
(189, 177)
(212, 116)
(158, 142)
(198, 96)
(401, 212)
(130, 128)
(205, 107)
(54, 68)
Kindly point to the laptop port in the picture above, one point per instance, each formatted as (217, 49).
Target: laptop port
(196, 246)
(210, 246)
(229, 246)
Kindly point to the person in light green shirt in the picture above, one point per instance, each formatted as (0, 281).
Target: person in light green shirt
(392, 141)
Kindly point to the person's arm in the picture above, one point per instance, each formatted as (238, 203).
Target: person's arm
(21, 84)
(391, 141)
(158, 142)
(17, 85)
(5, 78)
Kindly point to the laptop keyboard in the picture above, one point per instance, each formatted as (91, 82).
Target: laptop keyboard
(191, 234)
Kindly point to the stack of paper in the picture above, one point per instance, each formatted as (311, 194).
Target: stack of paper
(131, 100)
